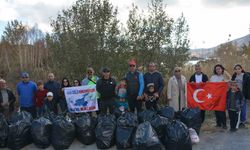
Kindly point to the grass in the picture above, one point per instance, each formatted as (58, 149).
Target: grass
(209, 124)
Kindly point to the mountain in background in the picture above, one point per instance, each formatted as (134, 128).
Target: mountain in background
(208, 52)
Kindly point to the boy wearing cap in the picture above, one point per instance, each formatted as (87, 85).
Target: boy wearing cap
(49, 104)
(39, 97)
(135, 87)
(26, 90)
(150, 98)
(234, 102)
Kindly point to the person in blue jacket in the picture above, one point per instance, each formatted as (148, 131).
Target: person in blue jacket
(26, 90)
(154, 76)
(135, 87)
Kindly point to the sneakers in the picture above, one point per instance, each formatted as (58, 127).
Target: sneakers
(233, 130)
(242, 125)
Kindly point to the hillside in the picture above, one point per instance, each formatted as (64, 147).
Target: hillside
(208, 52)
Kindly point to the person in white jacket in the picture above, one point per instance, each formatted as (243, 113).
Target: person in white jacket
(177, 90)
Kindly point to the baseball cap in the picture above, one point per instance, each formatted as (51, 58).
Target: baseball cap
(50, 94)
(132, 62)
(24, 75)
(105, 69)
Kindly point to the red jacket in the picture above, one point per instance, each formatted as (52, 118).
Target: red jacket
(40, 96)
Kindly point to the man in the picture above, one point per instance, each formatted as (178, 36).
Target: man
(135, 87)
(106, 88)
(90, 78)
(7, 99)
(26, 90)
(153, 76)
(53, 86)
(199, 77)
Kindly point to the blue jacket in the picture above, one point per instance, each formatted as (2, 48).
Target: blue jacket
(155, 78)
(26, 93)
(135, 83)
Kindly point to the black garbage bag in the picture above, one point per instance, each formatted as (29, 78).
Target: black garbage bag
(191, 118)
(125, 130)
(105, 131)
(63, 133)
(167, 112)
(117, 112)
(146, 138)
(4, 128)
(20, 116)
(85, 129)
(146, 115)
(19, 135)
(41, 132)
(159, 124)
(177, 136)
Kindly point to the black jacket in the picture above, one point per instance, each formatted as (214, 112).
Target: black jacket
(50, 106)
(12, 100)
(106, 88)
(204, 78)
(155, 78)
(245, 84)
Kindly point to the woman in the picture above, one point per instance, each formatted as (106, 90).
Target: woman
(63, 103)
(76, 82)
(219, 72)
(177, 90)
(243, 81)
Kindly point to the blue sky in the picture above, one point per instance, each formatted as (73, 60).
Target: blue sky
(210, 21)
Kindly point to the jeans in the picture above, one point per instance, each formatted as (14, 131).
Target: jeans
(243, 115)
(134, 103)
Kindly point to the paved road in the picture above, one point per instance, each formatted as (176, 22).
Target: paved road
(218, 139)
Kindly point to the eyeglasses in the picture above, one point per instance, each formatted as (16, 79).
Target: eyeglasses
(131, 65)
(177, 71)
(90, 72)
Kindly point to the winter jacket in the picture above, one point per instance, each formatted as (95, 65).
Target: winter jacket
(237, 100)
(204, 78)
(155, 78)
(135, 83)
(49, 106)
(54, 87)
(90, 81)
(245, 84)
(106, 88)
(11, 97)
(40, 96)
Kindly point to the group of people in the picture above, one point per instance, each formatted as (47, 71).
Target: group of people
(131, 92)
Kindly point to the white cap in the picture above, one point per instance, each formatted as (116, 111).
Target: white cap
(50, 94)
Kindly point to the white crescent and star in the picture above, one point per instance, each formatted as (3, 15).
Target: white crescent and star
(209, 96)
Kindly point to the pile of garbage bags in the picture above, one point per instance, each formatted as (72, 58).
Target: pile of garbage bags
(146, 130)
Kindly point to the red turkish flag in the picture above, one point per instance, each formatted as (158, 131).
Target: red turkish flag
(207, 96)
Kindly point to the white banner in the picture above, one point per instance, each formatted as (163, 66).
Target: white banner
(81, 98)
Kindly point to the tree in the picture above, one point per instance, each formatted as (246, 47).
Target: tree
(177, 51)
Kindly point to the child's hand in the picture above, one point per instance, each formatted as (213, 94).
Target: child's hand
(122, 99)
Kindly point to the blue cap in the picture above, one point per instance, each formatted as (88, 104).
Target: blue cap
(25, 75)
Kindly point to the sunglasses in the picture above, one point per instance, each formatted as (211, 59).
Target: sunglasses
(106, 71)
(90, 72)
(131, 65)
(177, 71)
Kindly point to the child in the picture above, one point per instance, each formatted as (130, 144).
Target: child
(150, 98)
(39, 98)
(234, 101)
(50, 104)
(121, 92)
